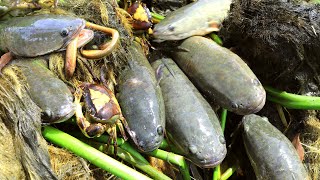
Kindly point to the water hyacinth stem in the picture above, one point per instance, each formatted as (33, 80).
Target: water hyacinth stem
(223, 117)
(91, 154)
(228, 173)
(128, 157)
(294, 98)
(174, 159)
(158, 153)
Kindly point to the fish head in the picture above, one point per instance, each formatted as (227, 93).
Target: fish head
(171, 30)
(59, 114)
(63, 29)
(204, 151)
(207, 153)
(249, 100)
(150, 142)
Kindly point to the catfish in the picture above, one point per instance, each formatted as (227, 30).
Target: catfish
(192, 125)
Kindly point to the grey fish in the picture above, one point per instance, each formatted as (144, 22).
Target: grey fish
(32, 36)
(221, 75)
(271, 154)
(50, 93)
(191, 123)
(197, 18)
(141, 101)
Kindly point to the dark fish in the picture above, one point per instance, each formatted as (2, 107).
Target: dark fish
(271, 154)
(141, 101)
(50, 93)
(32, 36)
(191, 123)
(221, 75)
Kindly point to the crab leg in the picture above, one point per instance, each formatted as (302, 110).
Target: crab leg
(107, 48)
(122, 122)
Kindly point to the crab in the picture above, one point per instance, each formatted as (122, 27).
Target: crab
(102, 112)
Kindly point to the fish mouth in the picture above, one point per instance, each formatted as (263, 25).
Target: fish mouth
(253, 109)
(208, 163)
(69, 113)
(149, 148)
(75, 34)
(260, 106)
(145, 146)
(62, 116)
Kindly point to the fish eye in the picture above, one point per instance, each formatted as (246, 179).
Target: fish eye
(160, 130)
(64, 32)
(234, 105)
(171, 28)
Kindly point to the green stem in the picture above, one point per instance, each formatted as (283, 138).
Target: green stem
(91, 154)
(307, 105)
(128, 157)
(121, 143)
(161, 154)
(223, 117)
(289, 96)
(174, 159)
(216, 38)
(292, 101)
(157, 16)
(164, 144)
(228, 173)
(217, 173)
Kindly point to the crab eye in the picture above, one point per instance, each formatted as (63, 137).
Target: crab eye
(64, 32)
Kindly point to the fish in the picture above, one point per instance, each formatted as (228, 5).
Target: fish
(221, 75)
(32, 36)
(197, 18)
(47, 91)
(191, 124)
(141, 101)
(270, 152)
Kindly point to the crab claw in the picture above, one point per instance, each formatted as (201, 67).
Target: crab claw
(106, 48)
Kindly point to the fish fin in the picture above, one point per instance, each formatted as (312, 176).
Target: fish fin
(159, 73)
(297, 144)
(167, 66)
(5, 59)
(182, 49)
(214, 25)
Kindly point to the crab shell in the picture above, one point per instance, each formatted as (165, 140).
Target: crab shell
(101, 104)
(141, 15)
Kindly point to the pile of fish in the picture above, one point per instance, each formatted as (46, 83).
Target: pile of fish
(168, 97)
(201, 68)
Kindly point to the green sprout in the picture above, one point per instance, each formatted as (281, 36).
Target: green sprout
(158, 153)
(156, 16)
(217, 171)
(292, 101)
(91, 154)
